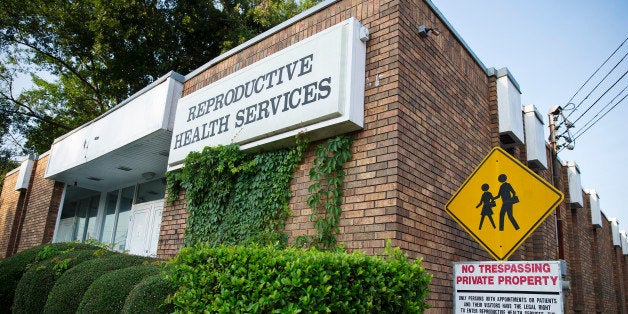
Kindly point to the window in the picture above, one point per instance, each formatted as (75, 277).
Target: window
(110, 217)
(67, 223)
(78, 218)
(116, 218)
(124, 214)
(91, 212)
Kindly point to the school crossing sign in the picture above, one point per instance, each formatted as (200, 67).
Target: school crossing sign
(502, 202)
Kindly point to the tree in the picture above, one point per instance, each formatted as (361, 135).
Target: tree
(96, 53)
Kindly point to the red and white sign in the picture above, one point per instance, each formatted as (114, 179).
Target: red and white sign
(508, 287)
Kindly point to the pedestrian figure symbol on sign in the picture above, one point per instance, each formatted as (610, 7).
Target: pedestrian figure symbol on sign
(509, 198)
(487, 202)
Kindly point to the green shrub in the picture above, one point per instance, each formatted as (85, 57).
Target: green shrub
(67, 293)
(149, 296)
(12, 268)
(107, 293)
(32, 290)
(254, 279)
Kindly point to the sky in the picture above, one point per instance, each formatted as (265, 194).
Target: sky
(552, 48)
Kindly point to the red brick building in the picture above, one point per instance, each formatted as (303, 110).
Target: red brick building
(430, 111)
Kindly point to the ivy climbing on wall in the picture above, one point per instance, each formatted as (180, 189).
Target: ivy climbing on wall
(326, 191)
(234, 197)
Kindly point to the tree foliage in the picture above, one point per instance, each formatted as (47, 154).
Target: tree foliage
(85, 56)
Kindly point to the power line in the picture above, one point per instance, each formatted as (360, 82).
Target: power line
(592, 75)
(596, 86)
(601, 110)
(596, 121)
(593, 120)
(591, 106)
(600, 118)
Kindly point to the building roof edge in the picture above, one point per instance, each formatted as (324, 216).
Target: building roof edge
(457, 35)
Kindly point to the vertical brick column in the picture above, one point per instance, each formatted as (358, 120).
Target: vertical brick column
(625, 279)
(618, 282)
(41, 207)
(607, 286)
(11, 204)
(598, 285)
(172, 230)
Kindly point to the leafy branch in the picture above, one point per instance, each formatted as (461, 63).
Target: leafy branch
(7, 98)
(59, 61)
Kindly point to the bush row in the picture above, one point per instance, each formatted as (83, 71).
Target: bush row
(268, 279)
(40, 278)
(70, 278)
(12, 268)
(74, 278)
(70, 288)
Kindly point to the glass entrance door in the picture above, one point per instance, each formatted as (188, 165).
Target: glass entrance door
(144, 228)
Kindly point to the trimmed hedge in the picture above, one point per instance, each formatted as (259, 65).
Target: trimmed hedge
(268, 279)
(37, 282)
(108, 293)
(149, 296)
(68, 291)
(12, 268)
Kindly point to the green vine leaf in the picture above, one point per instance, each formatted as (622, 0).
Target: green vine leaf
(325, 198)
(236, 198)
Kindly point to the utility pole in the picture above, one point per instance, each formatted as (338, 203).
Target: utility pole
(553, 117)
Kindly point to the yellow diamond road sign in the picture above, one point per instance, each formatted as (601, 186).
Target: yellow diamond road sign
(502, 203)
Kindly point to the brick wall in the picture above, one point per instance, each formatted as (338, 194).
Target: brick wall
(369, 204)
(429, 120)
(581, 252)
(618, 282)
(370, 196)
(9, 205)
(43, 202)
(625, 279)
(596, 268)
(565, 239)
(430, 117)
(429, 93)
(27, 218)
(172, 230)
(607, 284)
(443, 95)
(598, 285)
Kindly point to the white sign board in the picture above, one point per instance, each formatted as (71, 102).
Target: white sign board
(508, 287)
(316, 84)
